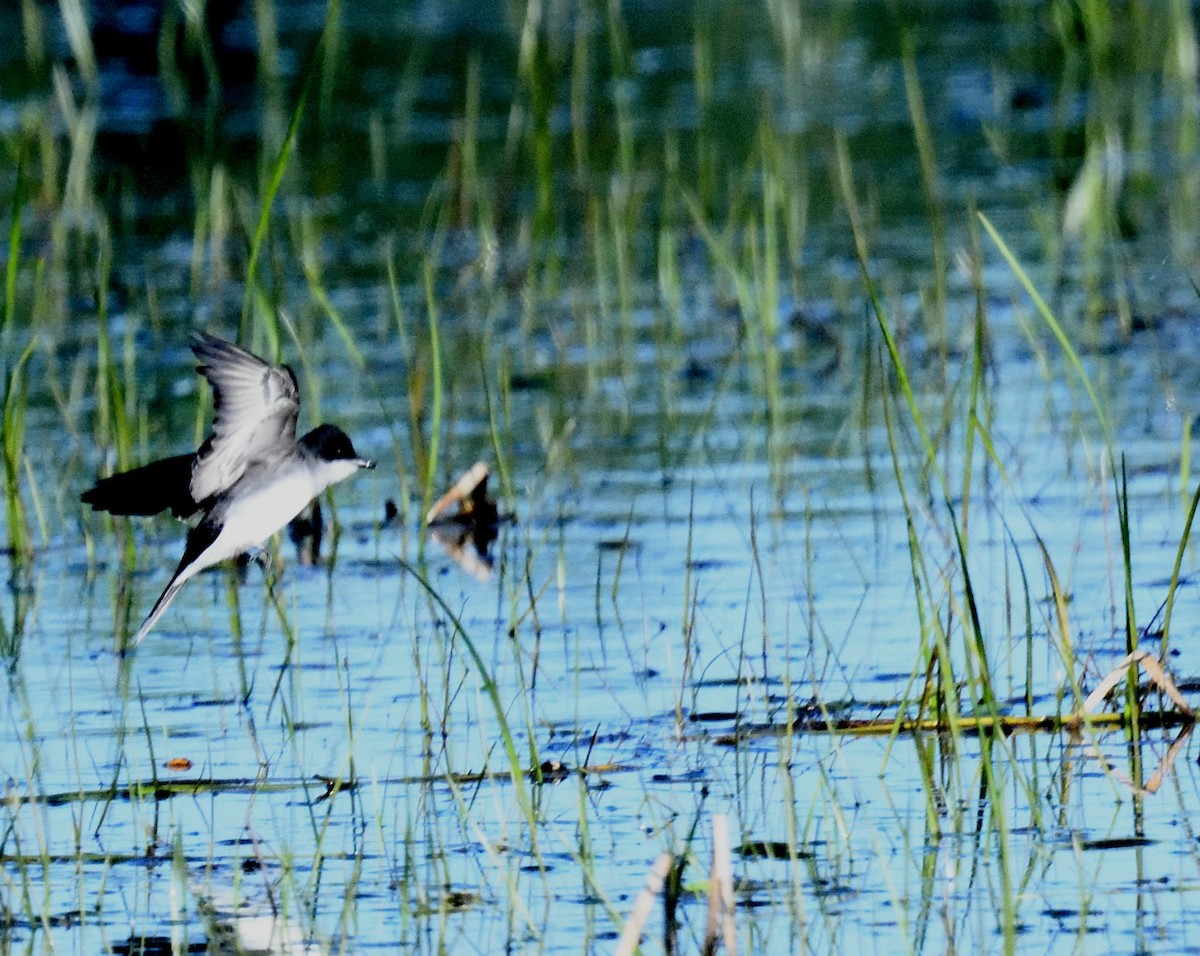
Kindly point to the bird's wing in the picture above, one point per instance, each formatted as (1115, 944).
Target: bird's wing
(255, 406)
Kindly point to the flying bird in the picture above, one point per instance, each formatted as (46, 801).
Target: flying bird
(250, 477)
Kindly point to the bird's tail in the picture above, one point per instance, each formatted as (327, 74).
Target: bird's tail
(197, 556)
(147, 490)
(161, 605)
(164, 600)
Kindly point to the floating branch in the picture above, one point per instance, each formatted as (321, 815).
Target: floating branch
(965, 723)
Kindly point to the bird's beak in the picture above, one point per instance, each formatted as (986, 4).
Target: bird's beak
(364, 463)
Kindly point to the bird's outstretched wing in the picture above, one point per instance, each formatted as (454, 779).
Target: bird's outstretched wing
(255, 406)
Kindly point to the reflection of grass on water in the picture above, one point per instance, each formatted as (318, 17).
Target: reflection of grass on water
(580, 237)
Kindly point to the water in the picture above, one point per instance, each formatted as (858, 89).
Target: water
(708, 530)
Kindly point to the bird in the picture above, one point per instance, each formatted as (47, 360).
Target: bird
(249, 478)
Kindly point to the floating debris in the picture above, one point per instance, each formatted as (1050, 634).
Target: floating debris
(467, 535)
(552, 771)
(771, 850)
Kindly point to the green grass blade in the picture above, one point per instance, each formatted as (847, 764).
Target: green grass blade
(278, 170)
(488, 685)
(1048, 317)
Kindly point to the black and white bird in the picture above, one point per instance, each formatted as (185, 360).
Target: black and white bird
(250, 477)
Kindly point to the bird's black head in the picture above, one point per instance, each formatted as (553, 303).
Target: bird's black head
(330, 443)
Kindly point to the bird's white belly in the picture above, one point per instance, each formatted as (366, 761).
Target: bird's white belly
(253, 518)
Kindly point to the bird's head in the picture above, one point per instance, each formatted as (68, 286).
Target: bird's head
(329, 443)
